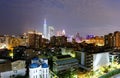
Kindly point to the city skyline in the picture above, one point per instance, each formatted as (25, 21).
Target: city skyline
(97, 17)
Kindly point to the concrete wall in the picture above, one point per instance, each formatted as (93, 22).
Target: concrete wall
(100, 59)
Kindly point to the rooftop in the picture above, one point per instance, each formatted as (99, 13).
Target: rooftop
(66, 61)
(44, 65)
(35, 58)
(63, 56)
(34, 65)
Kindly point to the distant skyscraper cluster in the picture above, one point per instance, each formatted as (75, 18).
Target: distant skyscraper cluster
(61, 33)
(48, 31)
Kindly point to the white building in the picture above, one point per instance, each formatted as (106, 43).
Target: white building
(14, 69)
(39, 68)
(50, 32)
(45, 28)
(92, 61)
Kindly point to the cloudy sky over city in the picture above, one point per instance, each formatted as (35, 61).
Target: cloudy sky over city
(98, 17)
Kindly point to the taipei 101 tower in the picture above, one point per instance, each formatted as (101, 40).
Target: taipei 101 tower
(45, 28)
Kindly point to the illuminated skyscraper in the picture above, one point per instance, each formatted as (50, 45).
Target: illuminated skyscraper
(45, 29)
(50, 31)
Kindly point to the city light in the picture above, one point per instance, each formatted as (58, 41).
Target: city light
(2, 46)
(11, 54)
(59, 39)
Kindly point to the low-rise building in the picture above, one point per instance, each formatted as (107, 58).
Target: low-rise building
(39, 68)
(63, 63)
(92, 61)
(11, 69)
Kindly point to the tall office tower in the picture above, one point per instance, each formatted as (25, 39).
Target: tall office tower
(50, 31)
(45, 29)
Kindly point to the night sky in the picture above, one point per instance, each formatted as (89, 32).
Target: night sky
(98, 17)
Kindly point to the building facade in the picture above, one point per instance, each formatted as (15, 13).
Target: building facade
(112, 40)
(39, 68)
(63, 63)
(12, 69)
(117, 40)
(58, 40)
(92, 61)
(34, 39)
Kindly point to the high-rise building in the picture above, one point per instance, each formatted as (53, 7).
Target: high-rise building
(34, 39)
(112, 40)
(59, 40)
(117, 40)
(109, 40)
(45, 29)
(50, 31)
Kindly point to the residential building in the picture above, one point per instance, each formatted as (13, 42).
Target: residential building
(59, 40)
(9, 42)
(34, 39)
(109, 40)
(112, 40)
(117, 40)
